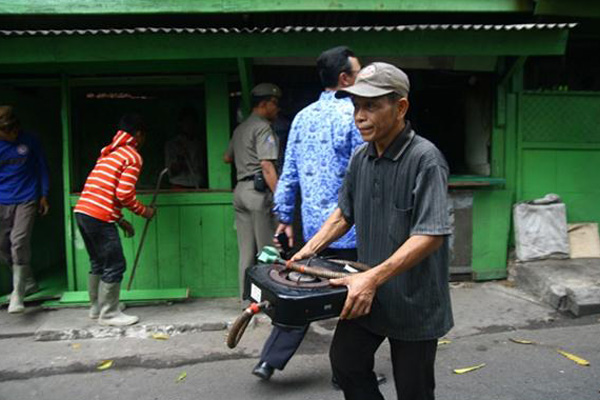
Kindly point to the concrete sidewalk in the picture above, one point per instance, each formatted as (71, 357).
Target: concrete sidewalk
(49, 342)
(567, 285)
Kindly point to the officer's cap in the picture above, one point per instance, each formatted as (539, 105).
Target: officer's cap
(266, 89)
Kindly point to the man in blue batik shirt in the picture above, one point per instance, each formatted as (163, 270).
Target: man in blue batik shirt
(322, 139)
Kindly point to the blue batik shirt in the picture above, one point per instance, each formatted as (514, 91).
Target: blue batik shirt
(321, 141)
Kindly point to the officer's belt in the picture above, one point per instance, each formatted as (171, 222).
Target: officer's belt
(246, 178)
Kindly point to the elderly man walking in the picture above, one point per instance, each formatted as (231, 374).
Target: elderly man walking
(395, 194)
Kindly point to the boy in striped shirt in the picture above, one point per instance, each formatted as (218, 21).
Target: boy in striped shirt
(108, 188)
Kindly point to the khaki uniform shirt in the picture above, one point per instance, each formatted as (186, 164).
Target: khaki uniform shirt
(253, 141)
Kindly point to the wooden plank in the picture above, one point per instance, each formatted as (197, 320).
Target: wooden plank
(247, 83)
(571, 8)
(170, 198)
(168, 254)
(511, 142)
(217, 130)
(539, 172)
(51, 287)
(560, 146)
(230, 250)
(213, 257)
(75, 7)
(146, 274)
(49, 50)
(491, 225)
(191, 238)
(131, 295)
(67, 173)
(181, 66)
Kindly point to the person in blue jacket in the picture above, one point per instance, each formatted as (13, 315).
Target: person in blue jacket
(24, 186)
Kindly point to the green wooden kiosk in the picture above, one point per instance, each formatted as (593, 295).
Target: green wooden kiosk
(70, 85)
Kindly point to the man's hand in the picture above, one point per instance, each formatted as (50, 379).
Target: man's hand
(361, 291)
(44, 206)
(303, 254)
(289, 231)
(149, 213)
(127, 228)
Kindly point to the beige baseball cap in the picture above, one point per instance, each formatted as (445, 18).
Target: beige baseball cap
(266, 89)
(377, 79)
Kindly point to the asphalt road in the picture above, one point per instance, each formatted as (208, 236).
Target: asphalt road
(512, 371)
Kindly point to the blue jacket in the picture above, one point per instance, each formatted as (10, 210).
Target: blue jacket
(321, 141)
(23, 170)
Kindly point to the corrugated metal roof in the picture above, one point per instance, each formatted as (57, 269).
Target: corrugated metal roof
(288, 29)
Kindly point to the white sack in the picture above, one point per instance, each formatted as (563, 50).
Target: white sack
(541, 229)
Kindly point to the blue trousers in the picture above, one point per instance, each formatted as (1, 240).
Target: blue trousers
(104, 248)
(282, 343)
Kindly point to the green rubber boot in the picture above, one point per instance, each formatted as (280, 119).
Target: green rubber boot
(110, 312)
(93, 286)
(16, 304)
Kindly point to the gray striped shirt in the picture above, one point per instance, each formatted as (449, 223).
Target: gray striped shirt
(390, 198)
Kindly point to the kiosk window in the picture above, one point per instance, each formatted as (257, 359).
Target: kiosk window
(175, 137)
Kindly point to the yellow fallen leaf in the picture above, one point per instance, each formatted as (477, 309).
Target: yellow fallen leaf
(468, 369)
(181, 377)
(106, 364)
(76, 346)
(521, 341)
(574, 358)
(443, 341)
(160, 336)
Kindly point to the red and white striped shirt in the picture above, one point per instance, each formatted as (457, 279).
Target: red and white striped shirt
(111, 184)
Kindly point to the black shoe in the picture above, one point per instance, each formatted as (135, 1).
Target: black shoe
(381, 379)
(263, 370)
(335, 383)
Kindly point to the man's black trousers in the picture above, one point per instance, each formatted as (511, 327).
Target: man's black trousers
(352, 356)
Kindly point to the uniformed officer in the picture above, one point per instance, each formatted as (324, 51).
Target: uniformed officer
(254, 147)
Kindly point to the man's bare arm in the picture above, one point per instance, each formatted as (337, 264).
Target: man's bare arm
(335, 227)
(268, 170)
(362, 286)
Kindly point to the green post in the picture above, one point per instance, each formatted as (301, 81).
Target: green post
(65, 112)
(246, 80)
(217, 130)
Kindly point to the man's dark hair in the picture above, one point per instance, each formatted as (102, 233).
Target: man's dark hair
(331, 63)
(131, 123)
(256, 100)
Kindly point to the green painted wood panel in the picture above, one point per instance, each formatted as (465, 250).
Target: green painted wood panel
(70, 7)
(572, 174)
(558, 156)
(491, 225)
(38, 51)
(217, 130)
(168, 251)
(192, 251)
(187, 245)
(571, 8)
